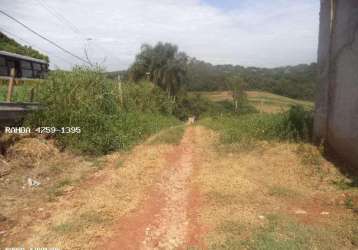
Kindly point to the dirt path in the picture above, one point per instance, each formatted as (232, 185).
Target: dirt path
(251, 197)
(167, 218)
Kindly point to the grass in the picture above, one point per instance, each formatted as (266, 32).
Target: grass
(58, 189)
(263, 101)
(281, 191)
(80, 223)
(278, 233)
(251, 198)
(310, 155)
(21, 93)
(281, 232)
(84, 218)
(296, 125)
(346, 184)
(246, 127)
(109, 121)
(169, 136)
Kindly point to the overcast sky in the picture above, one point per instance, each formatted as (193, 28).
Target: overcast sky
(265, 33)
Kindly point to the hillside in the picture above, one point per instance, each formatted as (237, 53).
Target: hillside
(10, 45)
(263, 101)
(292, 81)
(297, 82)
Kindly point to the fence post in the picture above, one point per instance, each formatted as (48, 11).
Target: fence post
(120, 90)
(11, 85)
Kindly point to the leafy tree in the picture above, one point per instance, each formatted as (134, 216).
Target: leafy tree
(162, 64)
(236, 84)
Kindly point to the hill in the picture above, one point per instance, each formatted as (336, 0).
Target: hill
(297, 82)
(10, 45)
(263, 101)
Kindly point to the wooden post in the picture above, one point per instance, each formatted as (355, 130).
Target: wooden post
(11, 85)
(120, 90)
(32, 94)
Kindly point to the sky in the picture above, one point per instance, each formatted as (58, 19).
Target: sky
(262, 33)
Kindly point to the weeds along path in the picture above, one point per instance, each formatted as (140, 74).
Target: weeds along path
(167, 217)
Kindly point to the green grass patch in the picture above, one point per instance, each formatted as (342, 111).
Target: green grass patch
(169, 136)
(21, 93)
(280, 191)
(82, 222)
(281, 232)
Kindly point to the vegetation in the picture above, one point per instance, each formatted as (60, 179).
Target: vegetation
(296, 82)
(10, 45)
(171, 135)
(292, 81)
(264, 102)
(295, 124)
(236, 86)
(20, 93)
(162, 64)
(109, 119)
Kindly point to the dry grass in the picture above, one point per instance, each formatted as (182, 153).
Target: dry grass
(22, 205)
(254, 198)
(29, 152)
(172, 135)
(84, 210)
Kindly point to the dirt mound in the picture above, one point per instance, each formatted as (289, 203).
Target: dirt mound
(28, 152)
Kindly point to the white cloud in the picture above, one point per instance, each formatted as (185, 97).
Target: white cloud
(263, 33)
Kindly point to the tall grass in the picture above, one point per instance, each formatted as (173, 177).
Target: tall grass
(21, 93)
(85, 98)
(295, 124)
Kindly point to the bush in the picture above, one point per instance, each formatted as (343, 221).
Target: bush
(146, 97)
(85, 98)
(188, 105)
(300, 122)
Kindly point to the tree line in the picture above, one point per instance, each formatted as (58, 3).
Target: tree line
(172, 70)
(10, 45)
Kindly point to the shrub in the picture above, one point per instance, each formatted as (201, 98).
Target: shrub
(146, 97)
(190, 105)
(300, 122)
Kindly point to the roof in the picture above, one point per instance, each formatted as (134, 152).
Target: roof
(5, 53)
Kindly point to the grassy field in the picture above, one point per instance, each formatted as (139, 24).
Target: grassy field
(263, 101)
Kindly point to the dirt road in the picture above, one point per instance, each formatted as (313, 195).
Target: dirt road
(198, 194)
(167, 218)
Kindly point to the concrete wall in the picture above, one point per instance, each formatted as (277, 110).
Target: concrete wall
(336, 115)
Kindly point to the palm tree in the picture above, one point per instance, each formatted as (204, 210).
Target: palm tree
(163, 65)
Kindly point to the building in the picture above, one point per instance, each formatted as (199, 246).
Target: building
(25, 67)
(14, 67)
(336, 113)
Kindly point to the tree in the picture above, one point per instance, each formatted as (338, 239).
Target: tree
(162, 64)
(236, 85)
